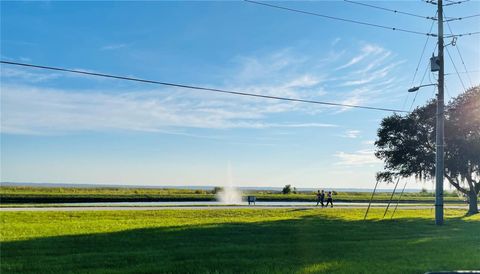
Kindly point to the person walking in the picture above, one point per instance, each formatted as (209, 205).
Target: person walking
(322, 198)
(329, 199)
(318, 198)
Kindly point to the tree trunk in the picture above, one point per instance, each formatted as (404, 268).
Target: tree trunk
(472, 202)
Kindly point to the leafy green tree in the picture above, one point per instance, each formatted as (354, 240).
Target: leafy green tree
(406, 144)
(217, 189)
(287, 189)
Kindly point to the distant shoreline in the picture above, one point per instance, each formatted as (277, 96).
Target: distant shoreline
(28, 194)
(206, 187)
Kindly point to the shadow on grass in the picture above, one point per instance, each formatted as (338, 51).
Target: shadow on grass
(312, 244)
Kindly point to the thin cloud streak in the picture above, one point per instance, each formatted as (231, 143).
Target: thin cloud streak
(114, 47)
(358, 158)
(282, 73)
(56, 111)
(352, 134)
(367, 51)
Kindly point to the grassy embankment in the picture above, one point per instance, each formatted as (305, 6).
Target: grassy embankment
(9, 195)
(237, 240)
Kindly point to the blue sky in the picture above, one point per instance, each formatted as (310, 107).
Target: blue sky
(64, 128)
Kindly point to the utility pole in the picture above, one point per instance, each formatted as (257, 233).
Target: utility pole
(439, 157)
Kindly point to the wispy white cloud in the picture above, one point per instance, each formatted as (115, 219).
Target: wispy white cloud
(12, 74)
(279, 66)
(335, 41)
(282, 73)
(28, 110)
(19, 43)
(379, 60)
(366, 51)
(366, 76)
(358, 158)
(303, 81)
(286, 125)
(375, 76)
(114, 46)
(351, 134)
(24, 75)
(368, 142)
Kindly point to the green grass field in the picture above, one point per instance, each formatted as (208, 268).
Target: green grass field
(62, 195)
(237, 240)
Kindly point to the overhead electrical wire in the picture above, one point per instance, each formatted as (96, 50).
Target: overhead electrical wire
(340, 19)
(285, 98)
(392, 10)
(461, 58)
(435, 87)
(469, 16)
(461, 18)
(448, 4)
(358, 22)
(462, 34)
(416, 93)
(197, 87)
(423, 51)
(456, 70)
(423, 78)
(411, 14)
(461, 72)
(419, 62)
(446, 89)
(454, 2)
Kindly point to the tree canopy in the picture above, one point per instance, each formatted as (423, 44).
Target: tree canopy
(406, 144)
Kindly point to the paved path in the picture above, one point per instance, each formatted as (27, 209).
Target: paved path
(98, 208)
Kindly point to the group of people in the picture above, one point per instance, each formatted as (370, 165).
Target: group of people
(321, 198)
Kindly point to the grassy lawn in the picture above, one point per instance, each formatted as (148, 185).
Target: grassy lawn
(237, 240)
(18, 195)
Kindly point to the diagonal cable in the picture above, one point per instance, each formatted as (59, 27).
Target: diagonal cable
(339, 18)
(392, 10)
(456, 70)
(197, 87)
(461, 58)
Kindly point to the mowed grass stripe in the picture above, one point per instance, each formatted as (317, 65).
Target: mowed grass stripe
(237, 240)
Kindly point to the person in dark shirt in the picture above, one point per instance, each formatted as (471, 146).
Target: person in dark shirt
(329, 199)
(321, 198)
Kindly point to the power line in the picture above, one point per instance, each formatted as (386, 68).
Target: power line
(430, 2)
(455, 2)
(418, 64)
(462, 34)
(339, 18)
(462, 72)
(446, 89)
(461, 18)
(461, 58)
(416, 93)
(197, 87)
(450, 2)
(359, 22)
(434, 90)
(392, 10)
(455, 67)
(469, 16)
(423, 51)
(423, 78)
